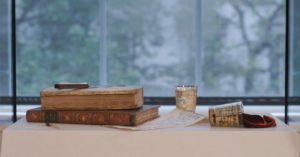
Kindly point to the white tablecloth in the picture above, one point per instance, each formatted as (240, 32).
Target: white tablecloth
(24, 139)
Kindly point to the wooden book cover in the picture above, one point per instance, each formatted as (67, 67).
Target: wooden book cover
(101, 98)
(131, 117)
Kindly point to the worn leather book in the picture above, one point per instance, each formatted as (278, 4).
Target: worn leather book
(100, 98)
(131, 117)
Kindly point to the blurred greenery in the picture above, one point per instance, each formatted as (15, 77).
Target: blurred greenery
(242, 43)
(154, 44)
(131, 25)
(4, 50)
(295, 72)
(56, 43)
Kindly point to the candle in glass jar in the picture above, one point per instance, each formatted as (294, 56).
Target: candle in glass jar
(186, 98)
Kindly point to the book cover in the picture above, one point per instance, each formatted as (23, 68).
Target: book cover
(94, 98)
(130, 117)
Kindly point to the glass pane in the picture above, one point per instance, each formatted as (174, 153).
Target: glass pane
(5, 71)
(58, 41)
(295, 49)
(294, 109)
(241, 48)
(226, 48)
(151, 43)
(244, 45)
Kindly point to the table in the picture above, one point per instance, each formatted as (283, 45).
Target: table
(24, 139)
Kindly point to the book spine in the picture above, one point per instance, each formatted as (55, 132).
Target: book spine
(81, 117)
(146, 116)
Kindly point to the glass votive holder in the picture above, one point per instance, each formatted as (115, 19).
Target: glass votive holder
(186, 97)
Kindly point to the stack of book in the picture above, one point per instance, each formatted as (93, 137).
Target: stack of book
(95, 106)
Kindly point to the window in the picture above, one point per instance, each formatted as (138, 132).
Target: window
(229, 50)
(226, 48)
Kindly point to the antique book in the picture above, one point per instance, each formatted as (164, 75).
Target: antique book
(227, 115)
(130, 117)
(99, 98)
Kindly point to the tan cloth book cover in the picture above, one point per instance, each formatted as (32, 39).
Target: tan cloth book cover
(100, 98)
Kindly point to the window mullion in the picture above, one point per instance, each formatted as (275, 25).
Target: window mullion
(199, 59)
(103, 43)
